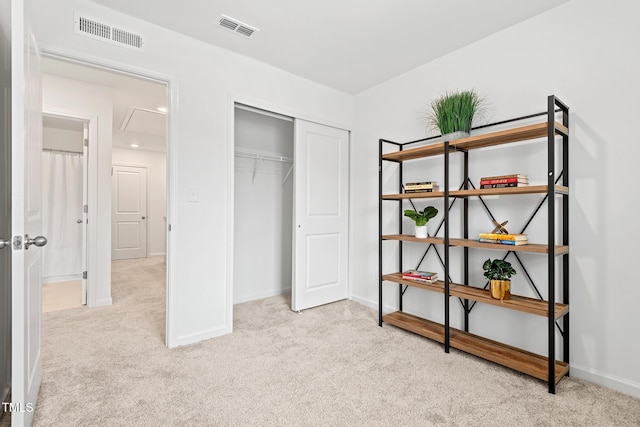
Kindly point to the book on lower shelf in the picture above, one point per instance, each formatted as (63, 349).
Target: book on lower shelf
(503, 236)
(504, 242)
(511, 176)
(420, 187)
(420, 276)
(505, 185)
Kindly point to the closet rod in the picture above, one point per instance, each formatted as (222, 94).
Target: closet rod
(259, 156)
(51, 150)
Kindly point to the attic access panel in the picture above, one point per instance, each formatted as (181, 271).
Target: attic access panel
(145, 121)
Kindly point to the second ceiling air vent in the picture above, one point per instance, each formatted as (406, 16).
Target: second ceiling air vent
(236, 26)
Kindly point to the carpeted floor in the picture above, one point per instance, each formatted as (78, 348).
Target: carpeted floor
(328, 366)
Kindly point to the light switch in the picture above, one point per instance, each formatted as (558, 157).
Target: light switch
(193, 195)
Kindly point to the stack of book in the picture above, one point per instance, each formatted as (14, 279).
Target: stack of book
(421, 187)
(504, 239)
(420, 276)
(502, 181)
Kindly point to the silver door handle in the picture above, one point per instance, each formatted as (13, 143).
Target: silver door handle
(79, 221)
(38, 241)
(4, 243)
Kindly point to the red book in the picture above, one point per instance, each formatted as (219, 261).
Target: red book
(503, 180)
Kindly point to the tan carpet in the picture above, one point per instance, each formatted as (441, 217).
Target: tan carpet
(329, 366)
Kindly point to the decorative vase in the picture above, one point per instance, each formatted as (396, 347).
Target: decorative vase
(500, 289)
(455, 135)
(421, 231)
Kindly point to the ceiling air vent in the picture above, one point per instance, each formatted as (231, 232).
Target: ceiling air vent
(102, 31)
(236, 26)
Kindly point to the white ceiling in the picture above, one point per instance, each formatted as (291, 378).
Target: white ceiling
(350, 45)
(147, 130)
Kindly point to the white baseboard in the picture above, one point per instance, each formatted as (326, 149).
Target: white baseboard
(197, 337)
(613, 382)
(247, 298)
(156, 254)
(65, 278)
(374, 304)
(103, 302)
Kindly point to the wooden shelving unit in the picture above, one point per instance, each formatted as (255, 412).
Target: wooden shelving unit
(545, 367)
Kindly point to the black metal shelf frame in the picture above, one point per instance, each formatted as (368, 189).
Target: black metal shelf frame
(554, 106)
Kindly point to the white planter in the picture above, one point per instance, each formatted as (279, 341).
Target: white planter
(421, 231)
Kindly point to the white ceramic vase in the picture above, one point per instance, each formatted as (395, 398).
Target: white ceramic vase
(421, 231)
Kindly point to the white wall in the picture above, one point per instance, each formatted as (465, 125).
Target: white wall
(77, 99)
(204, 78)
(584, 52)
(156, 195)
(62, 139)
(263, 208)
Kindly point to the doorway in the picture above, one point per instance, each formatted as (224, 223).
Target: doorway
(124, 137)
(64, 195)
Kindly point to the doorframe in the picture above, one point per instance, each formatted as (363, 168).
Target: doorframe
(146, 224)
(232, 100)
(171, 81)
(92, 191)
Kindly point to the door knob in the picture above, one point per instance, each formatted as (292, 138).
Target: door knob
(79, 221)
(144, 217)
(4, 243)
(38, 241)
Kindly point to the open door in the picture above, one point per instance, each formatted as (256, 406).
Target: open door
(85, 207)
(321, 215)
(26, 220)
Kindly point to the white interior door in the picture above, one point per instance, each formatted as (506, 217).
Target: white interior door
(129, 217)
(321, 158)
(5, 207)
(85, 206)
(26, 219)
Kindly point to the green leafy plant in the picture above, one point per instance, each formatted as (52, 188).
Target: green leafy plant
(498, 269)
(423, 216)
(454, 111)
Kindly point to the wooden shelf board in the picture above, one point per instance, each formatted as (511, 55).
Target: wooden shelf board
(518, 303)
(522, 133)
(528, 189)
(517, 359)
(471, 243)
(437, 286)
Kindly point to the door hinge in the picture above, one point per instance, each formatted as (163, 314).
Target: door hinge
(17, 243)
(84, 274)
(86, 142)
(85, 208)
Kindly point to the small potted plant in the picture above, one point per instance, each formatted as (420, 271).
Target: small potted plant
(453, 112)
(499, 273)
(421, 218)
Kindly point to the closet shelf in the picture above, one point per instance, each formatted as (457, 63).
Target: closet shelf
(257, 155)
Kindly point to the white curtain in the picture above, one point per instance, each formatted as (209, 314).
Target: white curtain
(61, 208)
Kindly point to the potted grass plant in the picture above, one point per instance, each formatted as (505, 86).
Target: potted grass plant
(453, 112)
(421, 218)
(499, 273)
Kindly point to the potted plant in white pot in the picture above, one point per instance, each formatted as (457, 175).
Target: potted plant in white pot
(499, 273)
(421, 218)
(453, 112)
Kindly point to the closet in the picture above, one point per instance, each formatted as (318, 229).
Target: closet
(263, 203)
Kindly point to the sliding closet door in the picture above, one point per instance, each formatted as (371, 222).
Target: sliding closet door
(321, 215)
